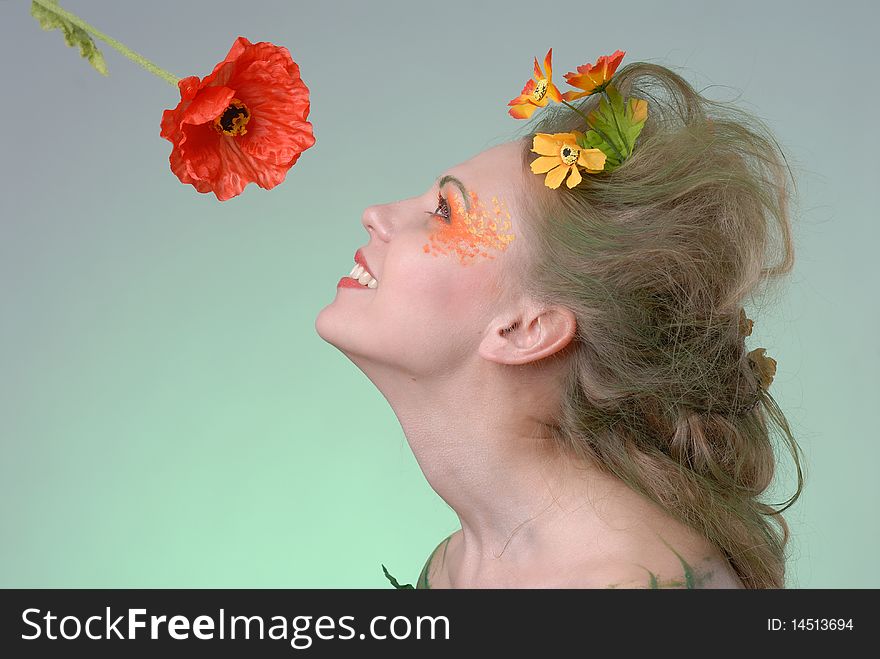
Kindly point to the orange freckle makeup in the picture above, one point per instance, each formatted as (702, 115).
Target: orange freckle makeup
(472, 234)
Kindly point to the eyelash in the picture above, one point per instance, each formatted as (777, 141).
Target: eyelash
(441, 201)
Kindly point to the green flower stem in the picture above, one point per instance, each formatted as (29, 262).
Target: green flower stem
(614, 116)
(601, 134)
(586, 118)
(122, 48)
(609, 142)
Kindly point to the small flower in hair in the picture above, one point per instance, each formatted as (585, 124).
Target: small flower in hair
(745, 323)
(763, 366)
(611, 128)
(537, 92)
(593, 78)
(561, 155)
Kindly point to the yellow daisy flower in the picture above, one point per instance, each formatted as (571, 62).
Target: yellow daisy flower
(560, 157)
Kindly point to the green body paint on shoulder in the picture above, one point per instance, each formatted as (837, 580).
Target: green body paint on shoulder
(692, 579)
(422, 582)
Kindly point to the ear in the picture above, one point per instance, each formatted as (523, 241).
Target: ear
(532, 335)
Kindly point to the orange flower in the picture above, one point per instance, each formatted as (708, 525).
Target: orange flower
(593, 78)
(560, 156)
(536, 92)
(243, 123)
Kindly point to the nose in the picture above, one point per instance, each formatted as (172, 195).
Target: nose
(376, 220)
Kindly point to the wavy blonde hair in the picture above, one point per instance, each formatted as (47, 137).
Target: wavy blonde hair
(656, 260)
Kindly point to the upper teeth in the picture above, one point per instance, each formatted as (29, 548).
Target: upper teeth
(358, 272)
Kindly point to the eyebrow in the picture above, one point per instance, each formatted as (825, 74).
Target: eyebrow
(448, 178)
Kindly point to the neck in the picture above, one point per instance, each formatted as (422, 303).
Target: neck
(482, 442)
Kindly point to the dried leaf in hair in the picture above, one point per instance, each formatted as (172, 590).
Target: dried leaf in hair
(764, 366)
(745, 323)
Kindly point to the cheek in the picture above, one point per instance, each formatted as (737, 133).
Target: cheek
(436, 287)
(474, 235)
(435, 297)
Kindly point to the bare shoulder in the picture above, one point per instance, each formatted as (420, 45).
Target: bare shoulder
(672, 568)
(642, 562)
(434, 573)
(646, 548)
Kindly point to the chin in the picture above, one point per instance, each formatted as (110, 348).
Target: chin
(337, 329)
(326, 326)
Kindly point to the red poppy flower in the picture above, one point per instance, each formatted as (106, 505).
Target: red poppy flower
(243, 123)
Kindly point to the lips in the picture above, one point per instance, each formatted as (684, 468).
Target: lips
(359, 259)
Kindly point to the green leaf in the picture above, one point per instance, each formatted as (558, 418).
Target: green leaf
(614, 128)
(73, 35)
(603, 120)
(592, 140)
(395, 583)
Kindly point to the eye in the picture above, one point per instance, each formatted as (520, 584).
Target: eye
(443, 207)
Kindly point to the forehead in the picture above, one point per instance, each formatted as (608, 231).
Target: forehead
(493, 182)
(494, 172)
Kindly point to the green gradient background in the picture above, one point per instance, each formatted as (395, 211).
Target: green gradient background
(168, 414)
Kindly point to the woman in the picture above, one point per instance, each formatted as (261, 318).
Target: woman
(569, 365)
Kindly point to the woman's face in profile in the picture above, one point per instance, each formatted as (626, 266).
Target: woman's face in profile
(439, 260)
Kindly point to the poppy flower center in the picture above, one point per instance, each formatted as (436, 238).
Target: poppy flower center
(540, 89)
(233, 119)
(569, 155)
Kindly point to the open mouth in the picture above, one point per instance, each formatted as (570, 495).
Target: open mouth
(358, 278)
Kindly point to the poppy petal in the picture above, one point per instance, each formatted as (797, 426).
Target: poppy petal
(217, 162)
(179, 167)
(548, 69)
(240, 168)
(586, 82)
(210, 103)
(571, 95)
(523, 111)
(278, 129)
(188, 87)
(613, 61)
(223, 70)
